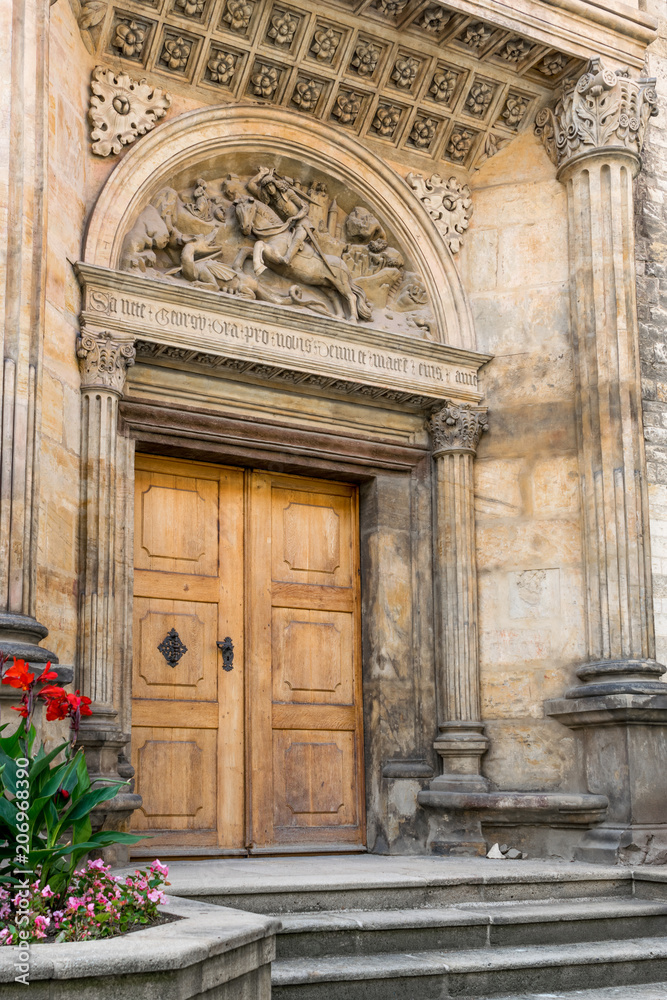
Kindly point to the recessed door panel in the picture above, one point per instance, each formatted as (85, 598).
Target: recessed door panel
(262, 749)
(188, 712)
(304, 665)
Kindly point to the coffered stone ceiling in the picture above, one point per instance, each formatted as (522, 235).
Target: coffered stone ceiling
(419, 82)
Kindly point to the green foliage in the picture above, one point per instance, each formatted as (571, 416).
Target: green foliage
(53, 830)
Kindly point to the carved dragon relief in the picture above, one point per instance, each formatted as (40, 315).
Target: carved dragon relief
(274, 238)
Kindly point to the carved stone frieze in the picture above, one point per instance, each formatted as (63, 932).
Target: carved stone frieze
(448, 202)
(447, 84)
(103, 361)
(602, 108)
(457, 428)
(306, 244)
(121, 109)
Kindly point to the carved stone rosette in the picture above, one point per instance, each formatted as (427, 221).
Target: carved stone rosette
(448, 202)
(122, 109)
(603, 109)
(455, 431)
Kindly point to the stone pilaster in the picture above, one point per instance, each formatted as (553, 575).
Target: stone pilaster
(103, 361)
(594, 137)
(23, 167)
(455, 432)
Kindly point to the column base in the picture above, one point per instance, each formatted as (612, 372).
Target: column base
(625, 845)
(104, 744)
(20, 636)
(625, 744)
(610, 677)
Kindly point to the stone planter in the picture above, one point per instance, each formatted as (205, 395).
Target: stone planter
(214, 952)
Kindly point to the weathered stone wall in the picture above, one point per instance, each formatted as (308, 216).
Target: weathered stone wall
(514, 265)
(76, 178)
(515, 269)
(651, 255)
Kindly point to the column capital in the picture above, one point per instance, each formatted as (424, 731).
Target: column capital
(604, 110)
(457, 428)
(104, 361)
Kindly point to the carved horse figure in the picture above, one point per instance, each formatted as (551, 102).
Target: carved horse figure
(213, 274)
(308, 267)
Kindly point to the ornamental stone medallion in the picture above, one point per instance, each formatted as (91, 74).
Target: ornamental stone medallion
(281, 233)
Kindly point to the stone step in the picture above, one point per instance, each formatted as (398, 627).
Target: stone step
(650, 991)
(473, 925)
(479, 973)
(372, 882)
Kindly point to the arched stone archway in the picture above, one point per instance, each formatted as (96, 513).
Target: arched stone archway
(212, 141)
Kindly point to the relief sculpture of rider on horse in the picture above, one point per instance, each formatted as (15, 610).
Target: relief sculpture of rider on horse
(292, 207)
(276, 215)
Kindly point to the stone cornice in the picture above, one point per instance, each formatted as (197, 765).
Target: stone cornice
(618, 30)
(104, 361)
(604, 109)
(455, 428)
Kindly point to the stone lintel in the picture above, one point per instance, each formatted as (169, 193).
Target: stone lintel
(520, 808)
(181, 325)
(617, 709)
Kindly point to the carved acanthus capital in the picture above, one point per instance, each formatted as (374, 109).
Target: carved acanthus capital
(455, 427)
(603, 108)
(448, 202)
(121, 109)
(104, 361)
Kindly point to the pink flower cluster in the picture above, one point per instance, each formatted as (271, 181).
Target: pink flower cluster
(96, 904)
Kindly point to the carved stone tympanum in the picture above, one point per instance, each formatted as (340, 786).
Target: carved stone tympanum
(122, 109)
(305, 242)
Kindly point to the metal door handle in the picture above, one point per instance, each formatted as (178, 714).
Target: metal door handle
(226, 647)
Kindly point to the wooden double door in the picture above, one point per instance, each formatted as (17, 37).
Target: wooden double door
(246, 717)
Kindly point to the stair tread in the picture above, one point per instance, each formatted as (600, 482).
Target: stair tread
(593, 908)
(384, 966)
(648, 991)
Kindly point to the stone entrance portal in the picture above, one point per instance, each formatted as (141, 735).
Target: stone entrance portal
(246, 714)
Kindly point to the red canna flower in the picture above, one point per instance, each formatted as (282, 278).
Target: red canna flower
(62, 797)
(57, 708)
(47, 674)
(22, 710)
(18, 676)
(79, 703)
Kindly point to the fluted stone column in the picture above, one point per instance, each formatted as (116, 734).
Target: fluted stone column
(594, 136)
(103, 360)
(23, 167)
(455, 432)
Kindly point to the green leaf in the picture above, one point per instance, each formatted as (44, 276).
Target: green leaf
(87, 802)
(8, 813)
(42, 760)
